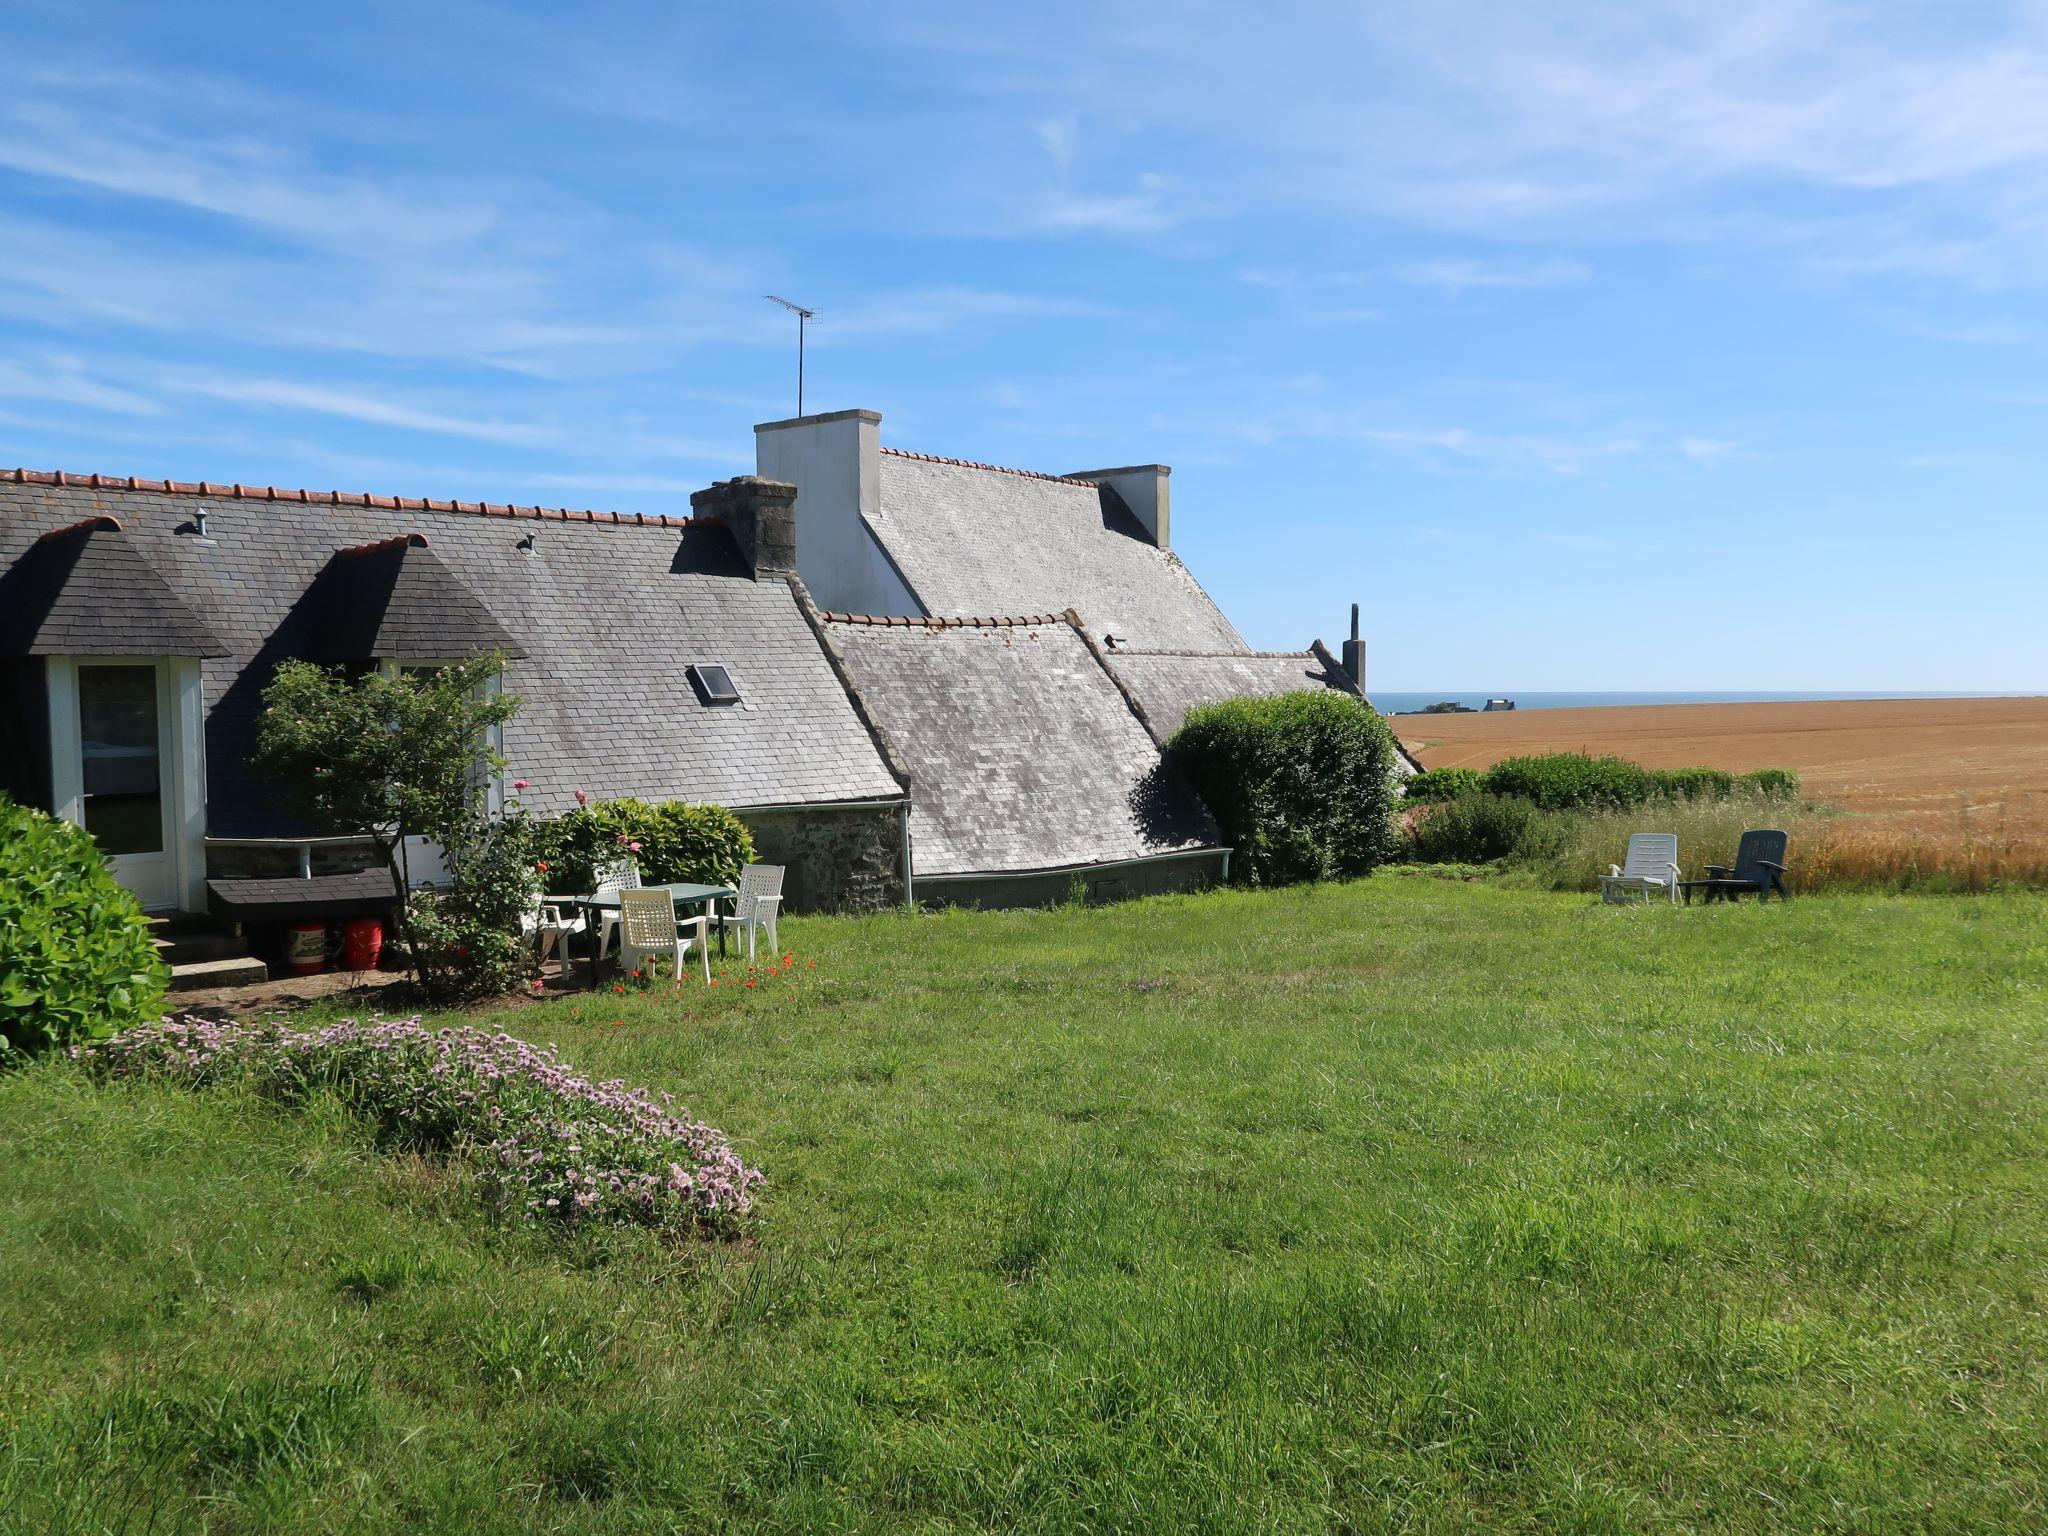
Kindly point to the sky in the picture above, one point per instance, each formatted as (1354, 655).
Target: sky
(1642, 346)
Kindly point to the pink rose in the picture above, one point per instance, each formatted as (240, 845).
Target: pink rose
(634, 846)
(582, 798)
(522, 784)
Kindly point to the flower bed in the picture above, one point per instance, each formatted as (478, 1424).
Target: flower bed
(549, 1145)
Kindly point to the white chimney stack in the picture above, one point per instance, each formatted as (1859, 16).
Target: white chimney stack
(1145, 491)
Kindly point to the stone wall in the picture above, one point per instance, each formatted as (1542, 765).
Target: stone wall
(838, 859)
(1115, 883)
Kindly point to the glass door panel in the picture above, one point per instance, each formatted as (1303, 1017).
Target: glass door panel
(119, 745)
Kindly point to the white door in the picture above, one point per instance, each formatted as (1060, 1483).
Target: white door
(123, 743)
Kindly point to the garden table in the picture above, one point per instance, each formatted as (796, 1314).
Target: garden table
(685, 895)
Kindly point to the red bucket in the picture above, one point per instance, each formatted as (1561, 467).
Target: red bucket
(361, 943)
(305, 948)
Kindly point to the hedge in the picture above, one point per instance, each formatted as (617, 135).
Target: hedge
(1432, 786)
(1302, 784)
(76, 957)
(700, 844)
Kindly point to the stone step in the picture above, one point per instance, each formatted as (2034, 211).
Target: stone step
(199, 944)
(230, 971)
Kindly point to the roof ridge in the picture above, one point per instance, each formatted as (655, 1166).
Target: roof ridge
(238, 491)
(926, 621)
(1135, 650)
(1001, 469)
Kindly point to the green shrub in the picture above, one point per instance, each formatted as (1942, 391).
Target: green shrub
(1774, 783)
(1563, 781)
(701, 844)
(1435, 785)
(1301, 783)
(1693, 783)
(76, 961)
(1481, 829)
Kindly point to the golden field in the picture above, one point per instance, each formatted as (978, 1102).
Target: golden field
(1951, 789)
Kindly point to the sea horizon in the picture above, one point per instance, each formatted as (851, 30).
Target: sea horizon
(1411, 702)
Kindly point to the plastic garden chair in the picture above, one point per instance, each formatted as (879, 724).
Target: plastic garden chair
(1652, 870)
(759, 899)
(648, 927)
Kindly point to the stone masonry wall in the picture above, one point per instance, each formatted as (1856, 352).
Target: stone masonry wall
(837, 860)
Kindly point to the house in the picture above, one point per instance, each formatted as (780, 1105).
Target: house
(140, 621)
(914, 677)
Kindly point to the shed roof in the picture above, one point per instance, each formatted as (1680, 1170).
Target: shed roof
(974, 538)
(1024, 754)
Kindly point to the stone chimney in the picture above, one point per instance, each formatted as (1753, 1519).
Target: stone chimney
(1145, 491)
(761, 516)
(1354, 653)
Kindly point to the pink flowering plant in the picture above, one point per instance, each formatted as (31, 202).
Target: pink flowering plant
(548, 1146)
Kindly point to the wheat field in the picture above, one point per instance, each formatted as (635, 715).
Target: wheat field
(1948, 791)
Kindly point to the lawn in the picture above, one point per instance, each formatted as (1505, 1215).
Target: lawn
(1406, 1205)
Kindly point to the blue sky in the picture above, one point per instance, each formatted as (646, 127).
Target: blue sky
(1544, 331)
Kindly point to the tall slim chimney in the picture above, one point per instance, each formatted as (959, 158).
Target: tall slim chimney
(1354, 653)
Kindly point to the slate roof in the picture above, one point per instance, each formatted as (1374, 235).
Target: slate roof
(609, 608)
(394, 600)
(973, 538)
(88, 589)
(1167, 684)
(1024, 754)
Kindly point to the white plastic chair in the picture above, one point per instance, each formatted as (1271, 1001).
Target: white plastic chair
(550, 931)
(1652, 870)
(648, 927)
(620, 875)
(759, 900)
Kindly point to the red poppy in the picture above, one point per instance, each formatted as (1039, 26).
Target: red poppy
(618, 988)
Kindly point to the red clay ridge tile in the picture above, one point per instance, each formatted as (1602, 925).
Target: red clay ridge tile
(919, 621)
(1000, 469)
(84, 525)
(396, 541)
(239, 492)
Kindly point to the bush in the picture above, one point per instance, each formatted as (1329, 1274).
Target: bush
(1563, 781)
(467, 940)
(1302, 784)
(1774, 783)
(550, 1147)
(76, 959)
(700, 844)
(1480, 829)
(1433, 786)
(1693, 783)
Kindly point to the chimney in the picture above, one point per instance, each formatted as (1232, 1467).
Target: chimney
(1354, 653)
(760, 514)
(835, 462)
(1145, 491)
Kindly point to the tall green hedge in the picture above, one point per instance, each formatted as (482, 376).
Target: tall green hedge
(1301, 783)
(76, 961)
(701, 844)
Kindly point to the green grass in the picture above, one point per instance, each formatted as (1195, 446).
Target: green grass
(1409, 1205)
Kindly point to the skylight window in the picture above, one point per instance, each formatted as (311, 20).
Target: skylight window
(713, 683)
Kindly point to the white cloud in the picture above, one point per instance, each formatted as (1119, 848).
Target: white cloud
(291, 395)
(1459, 274)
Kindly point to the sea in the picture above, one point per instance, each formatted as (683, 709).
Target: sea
(1408, 703)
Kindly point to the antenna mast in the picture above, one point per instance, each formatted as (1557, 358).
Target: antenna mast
(803, 317)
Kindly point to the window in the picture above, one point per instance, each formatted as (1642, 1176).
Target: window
(713, 683)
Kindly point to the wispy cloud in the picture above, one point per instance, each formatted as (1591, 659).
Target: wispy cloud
(287, 394)
(1460, 274)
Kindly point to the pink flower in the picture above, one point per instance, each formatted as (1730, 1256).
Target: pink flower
(582, 798)
(634, 846)
(522, 784)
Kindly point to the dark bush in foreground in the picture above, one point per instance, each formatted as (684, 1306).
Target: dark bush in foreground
(1433, 786)
(550, 1146)
(1302, 783)
(1478, 829)
(75, 954)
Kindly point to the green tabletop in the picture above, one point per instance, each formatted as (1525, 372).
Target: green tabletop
(684, 893)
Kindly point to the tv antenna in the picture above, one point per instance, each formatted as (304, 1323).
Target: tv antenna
(803, 318)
